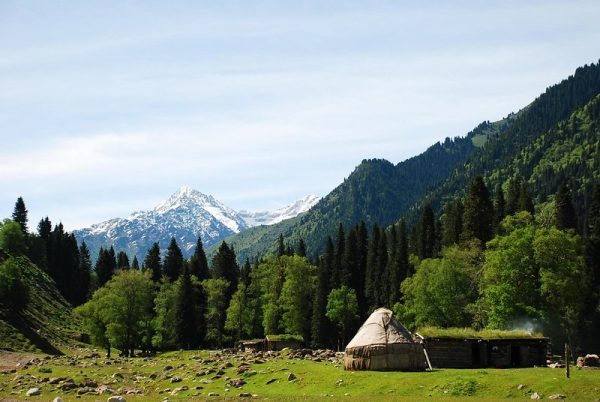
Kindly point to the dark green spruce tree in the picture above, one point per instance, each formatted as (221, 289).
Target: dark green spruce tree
(198, 262)
(320, 326)
(382, 296)
(104, 267)
(478, 217)
(301, 248)
(122, 260)
(525, 201)
(84, 275)
(427, 234)
(224, 266)
(135, 264)
(20, 214)
(173, 263)
(338, 255)
(372, 271)
(512, 196)
(565, 212)
(499, 207)
(186, 328)
(280, 246)
(152, 262)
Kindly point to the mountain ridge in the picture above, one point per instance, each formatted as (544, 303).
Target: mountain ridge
(186, 214)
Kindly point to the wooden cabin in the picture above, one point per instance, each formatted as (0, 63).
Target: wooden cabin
(497, 349)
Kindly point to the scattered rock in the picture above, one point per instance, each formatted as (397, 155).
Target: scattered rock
(104, 389)
(57, 399)
(116, 399)
(117, 375)
(588, 361)
(154, 376)
(86, 390)
(521, 387)
(236, 382)
(291, 377)
(175, 379)
(33, 392)
(271, 381)
(245, 395)
(536, 396)
(557, 396)
(168, 368)
(213, 394)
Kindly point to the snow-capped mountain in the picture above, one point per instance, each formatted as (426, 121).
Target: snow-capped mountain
(280, 214)
(186, 215)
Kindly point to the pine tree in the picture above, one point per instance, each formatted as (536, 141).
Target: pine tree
(565, 212)
(186, 313)
(104, 267)
(280, 246)
(452, 223)
(173, 263)
(427, 233)
(224, 266)
(338, 253)
(399, 267)
(20, 214)
(372, 271)
(245, 273)
(301, 248)
(382, 296)
(525, 201)
(499, 207)
(319, 323)
(135, 264)
(362, 241)
(198, 262)
(152, 262)
(350, 273)
(478, 215)
(122, 260)
(512, 198)
(84, 274)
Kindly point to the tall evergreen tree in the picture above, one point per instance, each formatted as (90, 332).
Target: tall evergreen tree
(525, 201)
(173, 263)
(565, 212)
(122, 260)
(152, 262)
(338, 254)
(135, 264)
(427, 233)
(198, 262)
(280, 246)
(245, 272)
(499, 207)
(301, 248)
(104, 267)
(362, 241)
(512, 198)
(399, 267)
(186, 313)
(382, 296)
(319, 323)
(372, 272)
(350, 274)
(20, 214)
(478, 215)
(452, 223)
(224, 266)
(84, 274)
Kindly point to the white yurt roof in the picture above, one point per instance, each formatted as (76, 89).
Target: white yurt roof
(379, 329)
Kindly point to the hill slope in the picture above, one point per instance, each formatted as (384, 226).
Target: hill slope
(521, 146)
(379, 192)
(46, 323)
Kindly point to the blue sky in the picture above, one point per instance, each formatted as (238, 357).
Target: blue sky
(107, 107)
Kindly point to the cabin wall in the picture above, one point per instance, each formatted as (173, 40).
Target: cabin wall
(475, 353)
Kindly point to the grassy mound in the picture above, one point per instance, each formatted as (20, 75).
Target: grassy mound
(45, 324)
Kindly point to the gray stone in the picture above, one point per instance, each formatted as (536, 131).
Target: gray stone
(291, 377)
(557, 396)
(116, 399)
(536, 396)
(213, 394)
(57, 399)
(33, 392)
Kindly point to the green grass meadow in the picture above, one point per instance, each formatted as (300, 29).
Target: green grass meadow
(269, 380)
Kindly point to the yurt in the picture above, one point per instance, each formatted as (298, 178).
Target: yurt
(382, 343)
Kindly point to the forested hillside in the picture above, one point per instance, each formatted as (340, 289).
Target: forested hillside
(518, 148)
(379, 192)
(376, 192)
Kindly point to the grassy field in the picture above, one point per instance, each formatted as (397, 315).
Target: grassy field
(198, 373)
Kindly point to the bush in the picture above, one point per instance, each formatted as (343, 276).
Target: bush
(13, 291)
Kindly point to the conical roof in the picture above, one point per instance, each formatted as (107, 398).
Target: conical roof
(380, 328)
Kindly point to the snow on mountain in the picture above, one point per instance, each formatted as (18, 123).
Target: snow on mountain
(278, 215)
(186, 214)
